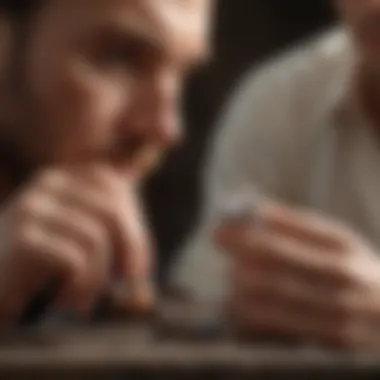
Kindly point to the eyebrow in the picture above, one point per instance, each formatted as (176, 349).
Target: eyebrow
(131, 34)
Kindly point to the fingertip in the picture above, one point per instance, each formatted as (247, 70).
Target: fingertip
(133, 295)
(231, 234)
(219, 235)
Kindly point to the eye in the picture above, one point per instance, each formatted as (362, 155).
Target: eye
(116, 55)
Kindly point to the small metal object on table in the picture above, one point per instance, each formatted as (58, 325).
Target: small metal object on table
(182, 343)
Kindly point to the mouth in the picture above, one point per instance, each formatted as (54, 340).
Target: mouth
(141, 164)
(132, 159)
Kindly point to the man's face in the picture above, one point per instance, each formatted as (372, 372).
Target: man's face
(103, 78)
(363, 19)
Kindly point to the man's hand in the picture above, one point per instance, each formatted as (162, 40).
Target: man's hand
(300, 275)
(81, 226)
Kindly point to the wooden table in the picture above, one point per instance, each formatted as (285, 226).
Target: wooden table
(117, 352)
(149, 351)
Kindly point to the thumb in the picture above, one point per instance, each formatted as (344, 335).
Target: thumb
(133, 288)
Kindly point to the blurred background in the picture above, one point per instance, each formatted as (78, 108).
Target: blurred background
(246, 33)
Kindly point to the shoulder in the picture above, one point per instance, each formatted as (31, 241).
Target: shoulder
(270, 123)
(310, 67)
(284, 94)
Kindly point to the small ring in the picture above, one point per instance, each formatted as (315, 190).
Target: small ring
(241, 208)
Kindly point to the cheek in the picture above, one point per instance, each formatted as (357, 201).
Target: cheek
(81, 107)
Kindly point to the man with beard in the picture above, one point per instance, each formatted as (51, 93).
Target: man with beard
(295, 178)
(89, 95)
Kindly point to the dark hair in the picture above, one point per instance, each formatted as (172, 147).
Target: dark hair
(18, 8)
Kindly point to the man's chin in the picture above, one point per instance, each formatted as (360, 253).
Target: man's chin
(138, 175)
(141, 167)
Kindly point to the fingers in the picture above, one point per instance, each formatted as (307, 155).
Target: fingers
(118, 210)
(94, 218)
(91, 236)
(289, 255)
(299, 274)
(47, 219)
(54, 251)
(268, 312)
(298, 292)
(53, 257)
(267, 302)
(133, 264)
(309, 228)
(270, 315)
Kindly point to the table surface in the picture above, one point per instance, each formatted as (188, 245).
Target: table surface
(144, 347)
(122, 345)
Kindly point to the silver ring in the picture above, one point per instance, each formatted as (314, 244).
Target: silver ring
(241, 207)
(132, 289)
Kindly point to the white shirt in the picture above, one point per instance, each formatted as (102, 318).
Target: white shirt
(295, 130)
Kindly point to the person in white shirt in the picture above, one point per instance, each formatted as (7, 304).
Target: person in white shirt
(303, 132)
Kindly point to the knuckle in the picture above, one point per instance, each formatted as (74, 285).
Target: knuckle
(223, 237)
(50, 179)
(27, 237)
(344, 237)
(262, 243)
(28, 243)
(94, 235)
(27, 206)
(104, 174)
(73, 265)
(91, 241)
(43, 176)
(105, 178)
(347, 305)
(111, 211)
(35, 205)
(344, 244)
(346, 272)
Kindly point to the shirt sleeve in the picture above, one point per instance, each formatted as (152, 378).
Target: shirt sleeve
(264, 137)
(245, 154)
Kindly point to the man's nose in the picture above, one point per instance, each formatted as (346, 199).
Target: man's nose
(164, 126)
(155, 114)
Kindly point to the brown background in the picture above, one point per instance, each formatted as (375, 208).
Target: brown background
(247, 31)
